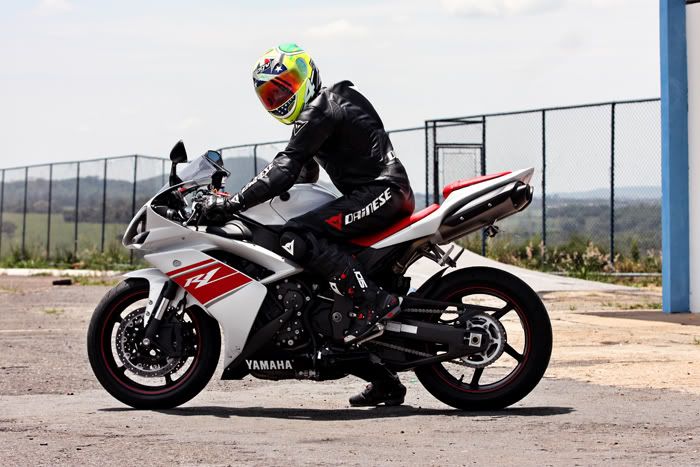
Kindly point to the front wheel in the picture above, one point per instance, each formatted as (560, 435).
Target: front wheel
(520, 331)
(155, 376)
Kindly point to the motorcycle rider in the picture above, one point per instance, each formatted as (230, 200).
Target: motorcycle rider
(338, 128)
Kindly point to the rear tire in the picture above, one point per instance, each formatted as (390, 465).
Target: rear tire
(137, 391)
(530, 365)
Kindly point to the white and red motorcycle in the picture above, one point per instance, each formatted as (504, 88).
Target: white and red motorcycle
(477, 338)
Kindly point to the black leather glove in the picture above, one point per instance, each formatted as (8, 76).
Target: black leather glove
(218, 209)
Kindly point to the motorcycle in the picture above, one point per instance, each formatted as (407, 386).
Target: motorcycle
(477, 338)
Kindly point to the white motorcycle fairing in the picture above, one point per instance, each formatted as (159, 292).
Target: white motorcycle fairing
(228, 295)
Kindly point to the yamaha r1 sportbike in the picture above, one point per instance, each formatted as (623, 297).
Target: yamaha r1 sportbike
(477, 338)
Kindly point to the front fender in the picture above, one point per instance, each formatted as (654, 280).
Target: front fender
(156, 281)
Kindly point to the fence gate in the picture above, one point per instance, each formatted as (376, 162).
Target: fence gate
(455, 149)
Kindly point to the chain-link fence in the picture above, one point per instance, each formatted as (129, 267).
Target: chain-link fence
(67, 210)
(248, 160)
(597, 179)
(597, 173)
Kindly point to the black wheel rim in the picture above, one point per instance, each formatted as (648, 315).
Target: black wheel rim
(501, 372)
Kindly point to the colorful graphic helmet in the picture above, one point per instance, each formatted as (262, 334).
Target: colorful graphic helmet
(285, 79)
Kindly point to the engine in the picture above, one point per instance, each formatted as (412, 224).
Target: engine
(295, 297)
(303, 346)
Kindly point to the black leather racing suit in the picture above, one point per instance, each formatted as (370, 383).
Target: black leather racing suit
(340, 129)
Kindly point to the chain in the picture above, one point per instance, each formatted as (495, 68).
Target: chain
(419, 353)
(403, 349)
(422, 310)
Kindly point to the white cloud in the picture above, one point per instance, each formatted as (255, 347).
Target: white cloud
(496, 8)
(339, 28)
(571, 41)
(189, 123)
(50, 7)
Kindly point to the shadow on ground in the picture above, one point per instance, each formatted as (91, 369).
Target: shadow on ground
(685, 319)
(351, 414)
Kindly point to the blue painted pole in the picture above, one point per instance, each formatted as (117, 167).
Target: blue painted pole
(674, 157)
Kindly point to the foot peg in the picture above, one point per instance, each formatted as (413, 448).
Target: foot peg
(374, 332)
(377, 329)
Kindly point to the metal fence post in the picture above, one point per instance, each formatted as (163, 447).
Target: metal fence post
(133, 200)
(255, 160)
(436, 167)
(612, 185)
(427, 166)
(77, 206)
(48, 214)
(104, 205)
(24, 213)
(2, 208)
(544, 183)
(483, 172)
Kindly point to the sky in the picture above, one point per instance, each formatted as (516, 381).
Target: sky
(82, 79)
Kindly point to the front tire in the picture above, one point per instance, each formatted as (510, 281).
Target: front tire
(147, 378)
(530, 359)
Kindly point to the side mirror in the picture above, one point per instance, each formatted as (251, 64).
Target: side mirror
(217, 180)
(178, 154)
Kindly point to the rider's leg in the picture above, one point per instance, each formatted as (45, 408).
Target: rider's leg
(316, 240)
(346, 276)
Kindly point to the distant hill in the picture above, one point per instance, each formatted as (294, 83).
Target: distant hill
(621, 192)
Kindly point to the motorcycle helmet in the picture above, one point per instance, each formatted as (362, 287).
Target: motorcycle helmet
(285, 79)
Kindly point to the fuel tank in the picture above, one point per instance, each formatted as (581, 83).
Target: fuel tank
(300, 199)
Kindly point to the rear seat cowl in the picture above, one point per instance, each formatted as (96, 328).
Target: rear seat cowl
(456, 185)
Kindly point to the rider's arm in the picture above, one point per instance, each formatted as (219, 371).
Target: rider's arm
(314, 125)
(309, 173)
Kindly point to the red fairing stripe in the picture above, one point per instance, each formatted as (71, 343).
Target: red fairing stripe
(175, 272)
(209, 282)
(370, 240)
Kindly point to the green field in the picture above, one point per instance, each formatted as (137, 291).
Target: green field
(62, 235)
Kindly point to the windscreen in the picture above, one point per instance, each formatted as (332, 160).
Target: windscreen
(202, 167)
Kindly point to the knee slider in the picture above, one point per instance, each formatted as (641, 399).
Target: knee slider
(294, 246)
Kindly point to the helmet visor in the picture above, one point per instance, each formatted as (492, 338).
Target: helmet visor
(279, 89)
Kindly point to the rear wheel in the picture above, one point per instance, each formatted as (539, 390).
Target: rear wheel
(521, 342)
(150, 376)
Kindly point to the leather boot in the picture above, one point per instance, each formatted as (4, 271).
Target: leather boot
(380, 393)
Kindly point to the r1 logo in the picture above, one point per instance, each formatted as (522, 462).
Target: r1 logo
(201, 279)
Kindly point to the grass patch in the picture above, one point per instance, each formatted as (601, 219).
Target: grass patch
(113, 259)
(578, 257)
(53, 311)
(102, 281)
(633, 306)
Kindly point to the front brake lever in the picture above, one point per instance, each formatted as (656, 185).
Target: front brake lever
(195, 213)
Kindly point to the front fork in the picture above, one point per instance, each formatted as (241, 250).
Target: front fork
(154, 314)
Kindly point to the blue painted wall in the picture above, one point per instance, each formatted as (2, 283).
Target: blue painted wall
(674, 157)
